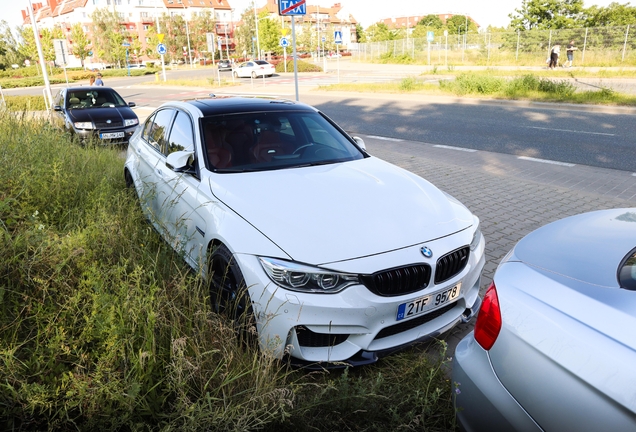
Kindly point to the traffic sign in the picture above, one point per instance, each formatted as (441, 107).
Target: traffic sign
(430, 36)
(284, 42)
(292, 7)
(324, 39)
(90, 53)
(337, 36)
(161, 49)
(160, 37)
(126, 44)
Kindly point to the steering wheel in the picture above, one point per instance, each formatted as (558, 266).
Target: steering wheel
(302, 147)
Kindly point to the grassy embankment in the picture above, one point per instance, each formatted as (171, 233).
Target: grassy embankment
(523, 87)
(103, 327)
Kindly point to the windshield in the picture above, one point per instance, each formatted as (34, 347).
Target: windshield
(93, 98)
(273, 140)
(261, 62)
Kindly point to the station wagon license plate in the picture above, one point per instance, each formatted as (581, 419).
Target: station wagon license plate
(111, 135)
(427, 303)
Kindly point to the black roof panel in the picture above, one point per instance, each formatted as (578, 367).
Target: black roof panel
(234, 105)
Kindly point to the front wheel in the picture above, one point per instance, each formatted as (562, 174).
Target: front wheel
(254, 75)
(229, 293)
(235, 74)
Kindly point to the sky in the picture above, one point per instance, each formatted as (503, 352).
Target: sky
(366, 12)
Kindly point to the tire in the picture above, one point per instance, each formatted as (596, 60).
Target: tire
(254, 75)
(229, 293)
(236, 75)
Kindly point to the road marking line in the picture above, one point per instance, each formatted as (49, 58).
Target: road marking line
(634, 174)
(455, 148)
(384, 138)
(551, 162)
(572, 131)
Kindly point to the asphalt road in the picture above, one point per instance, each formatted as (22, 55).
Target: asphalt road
(557, 133)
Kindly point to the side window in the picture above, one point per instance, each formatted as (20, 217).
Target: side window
(182, 134)
(158, 129)
(148, 127)
(627, 272)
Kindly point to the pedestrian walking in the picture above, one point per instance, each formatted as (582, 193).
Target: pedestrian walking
(91, 81)
(570, 53)
(554, 56)
(98, 81)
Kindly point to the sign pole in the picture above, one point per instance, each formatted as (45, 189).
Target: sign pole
(293, 18)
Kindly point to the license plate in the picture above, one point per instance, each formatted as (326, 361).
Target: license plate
(427, 303)
(111, 135)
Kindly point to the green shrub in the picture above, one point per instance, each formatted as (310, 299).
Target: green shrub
(28, 82)
(25, 103)
(468, 83)
(302, 66)
(408, 84)
(557, 88)
(390, 57)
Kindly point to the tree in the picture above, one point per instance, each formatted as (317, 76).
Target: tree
(108, 36)
(9, 53)
(457, 25)
(243, 34)
(433, 22)
(269, 32)
(81, 45)
(361, 37)
(379, 32)
(200, 25)
(547, 14)
(27, 48)
(613, 15)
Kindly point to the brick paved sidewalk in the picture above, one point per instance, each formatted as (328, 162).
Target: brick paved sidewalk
(511, 196)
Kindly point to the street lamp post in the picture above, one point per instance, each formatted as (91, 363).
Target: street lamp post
(187, 36)
(258, 42)
(163, 63)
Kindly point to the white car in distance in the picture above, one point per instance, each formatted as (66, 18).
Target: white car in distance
(254, 69)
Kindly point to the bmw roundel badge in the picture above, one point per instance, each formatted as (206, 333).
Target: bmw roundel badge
(426, 252)
(108, 121)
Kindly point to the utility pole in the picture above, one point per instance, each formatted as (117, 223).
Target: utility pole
(45, 75)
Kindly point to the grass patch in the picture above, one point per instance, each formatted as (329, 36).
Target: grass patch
(104, 327)
(524, 87)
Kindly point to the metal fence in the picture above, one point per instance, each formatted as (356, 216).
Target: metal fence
(598, 46)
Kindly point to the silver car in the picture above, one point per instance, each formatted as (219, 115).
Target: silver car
(554, 345)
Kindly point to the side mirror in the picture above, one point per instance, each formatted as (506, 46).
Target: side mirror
(131, 104)
(360, 142)
(178, 161)
(57, 108)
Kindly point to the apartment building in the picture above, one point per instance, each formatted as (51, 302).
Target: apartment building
(137, 16)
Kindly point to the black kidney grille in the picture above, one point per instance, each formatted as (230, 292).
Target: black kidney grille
(398, 281)
(312, 339)
(451, 264)
(415, 322)
(104, 125)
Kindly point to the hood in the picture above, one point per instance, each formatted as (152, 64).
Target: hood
(101, 114)
(342, 211)
(588, 247)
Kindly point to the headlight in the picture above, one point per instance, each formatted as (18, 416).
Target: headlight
(131, 122)
(83, 125)
(299, 277)
(476, 238)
